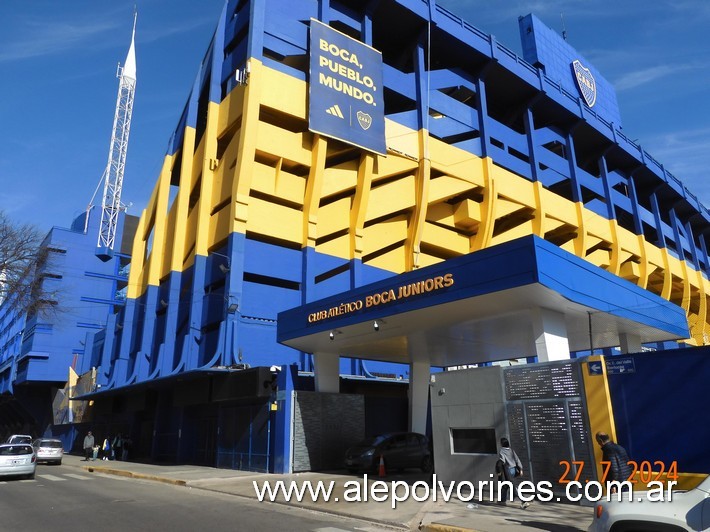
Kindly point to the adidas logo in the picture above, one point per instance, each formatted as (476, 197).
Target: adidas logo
(335, 111)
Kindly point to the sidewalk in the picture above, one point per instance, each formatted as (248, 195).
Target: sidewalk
(454, 515)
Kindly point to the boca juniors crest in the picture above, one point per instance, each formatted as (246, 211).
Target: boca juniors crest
(585, 83)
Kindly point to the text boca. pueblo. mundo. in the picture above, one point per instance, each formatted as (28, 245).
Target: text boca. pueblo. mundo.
(345, 71)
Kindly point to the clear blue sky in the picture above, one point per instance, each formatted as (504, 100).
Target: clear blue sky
(58, 86)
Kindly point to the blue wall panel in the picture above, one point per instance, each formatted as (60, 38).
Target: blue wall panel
(660, 410)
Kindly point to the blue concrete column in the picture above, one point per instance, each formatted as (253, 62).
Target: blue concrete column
(283, 421)
(171, 322)
(191, 355)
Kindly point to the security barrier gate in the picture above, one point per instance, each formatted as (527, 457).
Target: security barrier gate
(547, 422)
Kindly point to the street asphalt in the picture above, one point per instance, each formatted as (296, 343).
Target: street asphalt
(454, 515)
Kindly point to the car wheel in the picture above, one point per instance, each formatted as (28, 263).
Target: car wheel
(31, 476)
(352, 470)
(58, 462)
(427, 464)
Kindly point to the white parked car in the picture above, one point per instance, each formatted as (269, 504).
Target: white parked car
(20, 438)
(49, 450)
(17, 459)
(686, 511)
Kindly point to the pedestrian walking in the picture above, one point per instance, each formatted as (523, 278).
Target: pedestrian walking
(618, 458)
(88, 446)
(127, 442)
(511, 467)
(106, 450)
(117, 446)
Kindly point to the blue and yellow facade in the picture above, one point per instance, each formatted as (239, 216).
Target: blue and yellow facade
(253, 214)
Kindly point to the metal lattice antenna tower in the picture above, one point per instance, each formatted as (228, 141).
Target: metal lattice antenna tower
(113, 176)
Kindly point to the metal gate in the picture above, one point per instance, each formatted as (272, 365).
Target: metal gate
(548, 423)
(244, 437)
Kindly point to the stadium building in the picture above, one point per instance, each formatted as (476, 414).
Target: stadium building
(359, 195)
(42, 351)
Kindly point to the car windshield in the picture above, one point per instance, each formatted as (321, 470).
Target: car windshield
(372, 441)
(14, 450)
(54, 444)
(20, 439)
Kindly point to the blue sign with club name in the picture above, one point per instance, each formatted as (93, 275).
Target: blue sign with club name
(345, 91)
(618, 365)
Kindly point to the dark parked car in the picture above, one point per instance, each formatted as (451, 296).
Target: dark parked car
(399, 450)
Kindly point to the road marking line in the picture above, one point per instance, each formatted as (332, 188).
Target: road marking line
(78, 477)
(52, 478)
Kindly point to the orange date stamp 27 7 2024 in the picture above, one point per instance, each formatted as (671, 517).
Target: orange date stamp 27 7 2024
(647, 471)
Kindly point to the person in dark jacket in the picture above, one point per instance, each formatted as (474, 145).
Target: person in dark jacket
(508, 467)
(615, 454)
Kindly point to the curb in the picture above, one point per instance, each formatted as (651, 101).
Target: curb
(130, 474)
(438, 527)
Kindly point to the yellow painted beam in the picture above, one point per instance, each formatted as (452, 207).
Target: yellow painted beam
(243, 174)
(599, 409)
(358, 210)
(314, 186)
(490, 194)
(341, 177)
(445, 187)
(421, 203)
(286, 94)
(391, 197)
(272, 219)
(450, 242)
(384, 234)
(208, 149)
(135, 277)
(230, 111)
(155, 261)
(182, 200)
(539, 223)
(334, 217)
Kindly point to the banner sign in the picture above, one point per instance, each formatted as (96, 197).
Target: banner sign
(345, 91)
